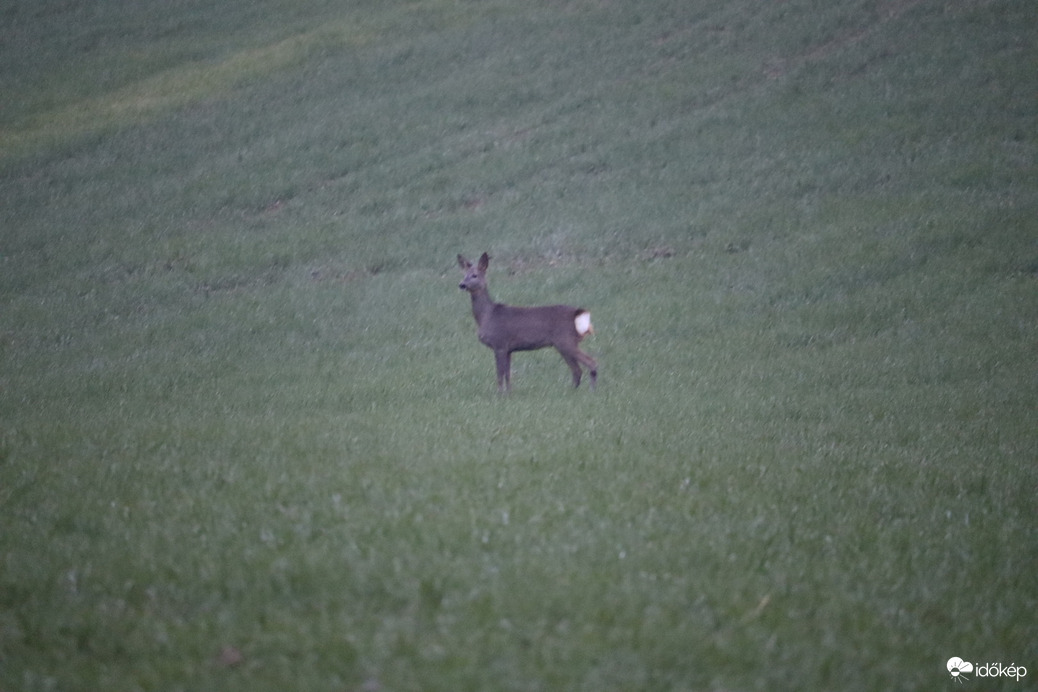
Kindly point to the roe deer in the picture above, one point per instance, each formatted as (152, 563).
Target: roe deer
(505, 328)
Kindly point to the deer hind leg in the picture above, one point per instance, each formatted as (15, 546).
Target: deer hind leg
(571, 361)
(591, 364)
(504, 370)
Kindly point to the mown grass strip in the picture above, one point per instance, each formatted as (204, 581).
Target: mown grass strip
(195, 81)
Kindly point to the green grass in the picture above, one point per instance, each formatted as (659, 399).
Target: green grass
(243, 407)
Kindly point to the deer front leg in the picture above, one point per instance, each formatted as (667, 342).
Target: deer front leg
(504, 370)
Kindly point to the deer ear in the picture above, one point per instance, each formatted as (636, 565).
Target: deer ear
(464, 263)
(484, 262)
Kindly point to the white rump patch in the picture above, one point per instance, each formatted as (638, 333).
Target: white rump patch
(583, 323)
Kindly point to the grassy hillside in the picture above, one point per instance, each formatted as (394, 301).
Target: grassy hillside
(248, 438)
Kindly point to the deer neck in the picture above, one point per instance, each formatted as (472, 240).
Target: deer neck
(482, 305)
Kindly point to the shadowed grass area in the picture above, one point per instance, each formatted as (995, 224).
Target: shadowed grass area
(249, 439)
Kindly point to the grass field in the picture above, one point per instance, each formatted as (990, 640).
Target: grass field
(248, 437)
